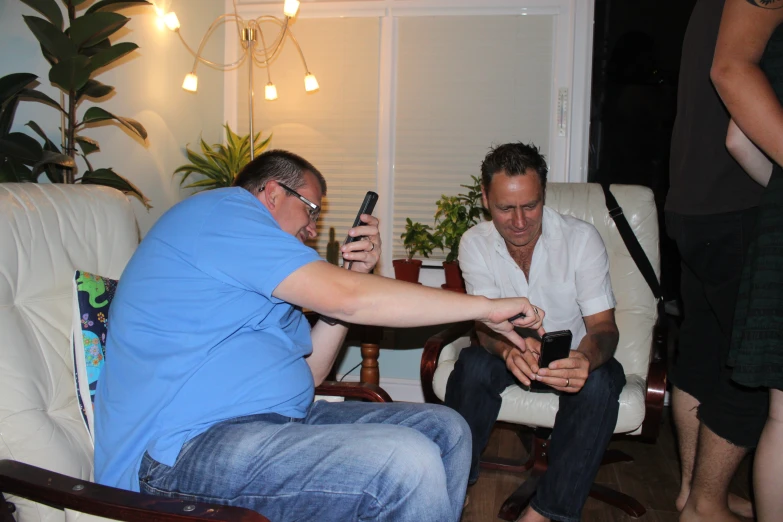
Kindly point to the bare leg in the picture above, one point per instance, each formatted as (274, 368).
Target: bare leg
(716, 462)
(684, 407)
(768, 465)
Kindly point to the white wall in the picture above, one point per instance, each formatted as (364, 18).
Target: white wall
(147, 88)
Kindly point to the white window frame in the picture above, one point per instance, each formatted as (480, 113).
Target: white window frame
(572, 68)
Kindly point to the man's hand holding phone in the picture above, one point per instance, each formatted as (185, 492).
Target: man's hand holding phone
(567, 375)
(362, 254)
(362, 248)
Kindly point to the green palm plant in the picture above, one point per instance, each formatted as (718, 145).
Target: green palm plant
(219, 163)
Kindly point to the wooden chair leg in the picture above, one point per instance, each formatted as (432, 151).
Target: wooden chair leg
(619, 500)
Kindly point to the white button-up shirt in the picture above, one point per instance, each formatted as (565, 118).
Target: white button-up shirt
(569, 273)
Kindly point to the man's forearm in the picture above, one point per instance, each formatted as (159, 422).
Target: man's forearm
(327, 341)
(599, 345)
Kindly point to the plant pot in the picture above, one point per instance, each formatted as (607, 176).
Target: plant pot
(407, 269)
(454, 281)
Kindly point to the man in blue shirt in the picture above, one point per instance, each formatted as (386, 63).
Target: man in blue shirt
(207, 391)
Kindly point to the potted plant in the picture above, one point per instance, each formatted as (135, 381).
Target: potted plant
(220, 164)
(76, 54)
(417, 239)
(454, 216)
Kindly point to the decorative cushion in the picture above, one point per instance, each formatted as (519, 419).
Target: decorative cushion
(92, 296)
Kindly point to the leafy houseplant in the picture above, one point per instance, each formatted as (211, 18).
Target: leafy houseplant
(220, 164)
(76, 54)
(417, 239)
(453, 217)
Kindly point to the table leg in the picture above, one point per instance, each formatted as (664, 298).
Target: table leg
(370, 372)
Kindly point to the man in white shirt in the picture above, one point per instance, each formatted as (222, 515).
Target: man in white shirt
(560, 262)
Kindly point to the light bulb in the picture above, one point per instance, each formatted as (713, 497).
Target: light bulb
(290, 8)
(190, 83)
(171, 21)
(270, 91)
(311, 84)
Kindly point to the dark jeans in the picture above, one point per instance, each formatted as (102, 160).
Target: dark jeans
(712, 249)
(583, 426)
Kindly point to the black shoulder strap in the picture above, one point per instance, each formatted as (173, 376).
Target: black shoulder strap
(629, 238)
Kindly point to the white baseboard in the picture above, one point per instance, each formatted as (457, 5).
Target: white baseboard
(403, 390)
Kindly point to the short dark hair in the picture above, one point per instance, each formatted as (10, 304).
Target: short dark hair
(513, 159)
(279, 165)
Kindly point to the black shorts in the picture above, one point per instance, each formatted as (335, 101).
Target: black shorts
(713, 249)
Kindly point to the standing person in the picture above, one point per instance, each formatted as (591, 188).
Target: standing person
(531, 250)
(748, 73)
(207, 390)
(711, 210)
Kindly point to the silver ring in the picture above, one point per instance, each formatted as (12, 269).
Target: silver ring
(373, 246)
(535, 310)
(568, 382)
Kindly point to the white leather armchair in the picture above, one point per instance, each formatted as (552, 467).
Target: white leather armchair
(641, 349)
(46, 455)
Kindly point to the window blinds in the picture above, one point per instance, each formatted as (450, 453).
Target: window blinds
(464, 83)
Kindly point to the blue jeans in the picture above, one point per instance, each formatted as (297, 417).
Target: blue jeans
(583, 426)
(343, 461)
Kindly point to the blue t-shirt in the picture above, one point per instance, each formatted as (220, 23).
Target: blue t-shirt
(195, 336)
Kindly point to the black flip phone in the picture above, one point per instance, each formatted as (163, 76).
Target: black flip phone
(554, 346)
(368, 205)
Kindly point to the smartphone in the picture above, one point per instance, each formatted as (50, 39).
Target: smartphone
(554, 346)
(368, 205)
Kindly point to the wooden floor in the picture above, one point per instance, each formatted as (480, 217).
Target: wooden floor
(653, 479)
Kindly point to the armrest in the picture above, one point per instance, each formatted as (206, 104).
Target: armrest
(432, 349)
(354, 390)
(656, 379)
(61, 491)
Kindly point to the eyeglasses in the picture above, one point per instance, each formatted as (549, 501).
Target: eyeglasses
(314, 211)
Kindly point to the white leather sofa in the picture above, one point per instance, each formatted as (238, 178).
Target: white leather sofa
(46, 455)
(642, 345)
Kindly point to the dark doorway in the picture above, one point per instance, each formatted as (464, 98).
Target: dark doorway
(636, 61)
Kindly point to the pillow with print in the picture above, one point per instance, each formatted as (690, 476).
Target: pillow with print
(92, 295)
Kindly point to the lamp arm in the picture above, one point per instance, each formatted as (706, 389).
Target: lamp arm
(293, 38)
(266, 55)
(271, 52)
(222, 19)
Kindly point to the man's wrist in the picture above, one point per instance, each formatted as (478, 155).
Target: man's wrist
(588, 358)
